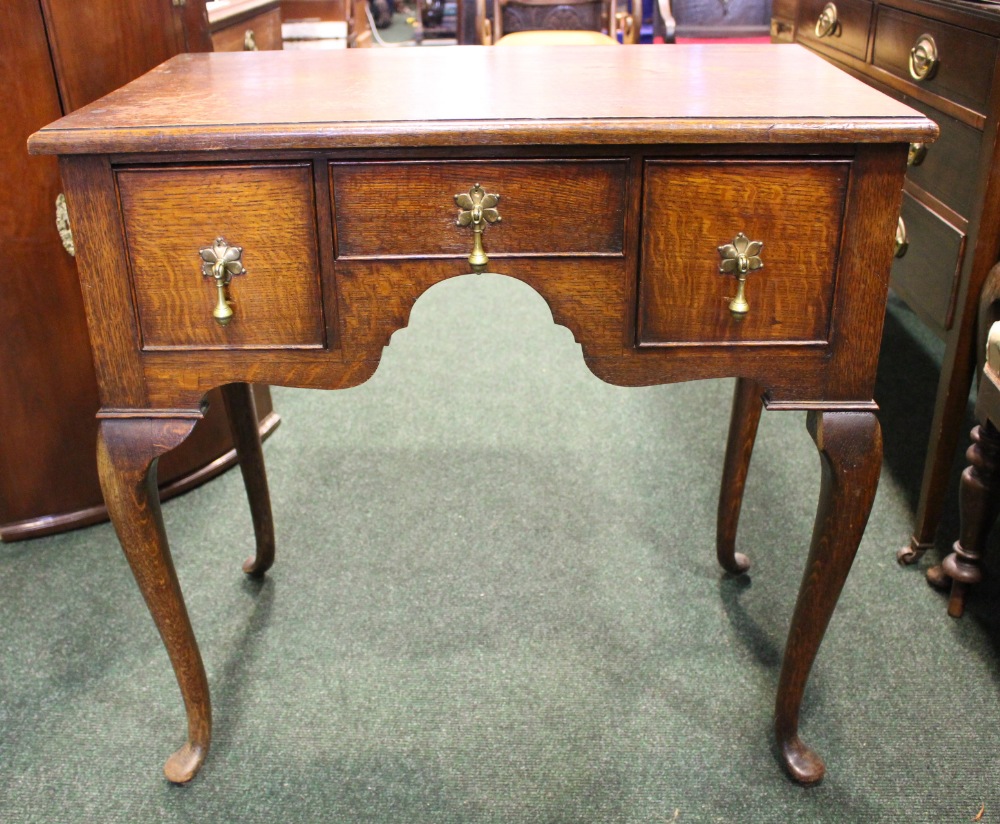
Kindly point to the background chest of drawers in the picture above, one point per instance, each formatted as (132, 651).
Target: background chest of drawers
(939, 56)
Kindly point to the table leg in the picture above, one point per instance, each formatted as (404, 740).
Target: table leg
(743, 422)
(949, 413)
(242, 413)
(127, 451)
(979, 504)
(850, 448)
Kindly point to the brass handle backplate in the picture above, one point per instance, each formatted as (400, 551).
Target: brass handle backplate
(740, 258)
(915, 156)
(902, 241)
(249, 41)
(62, 225)
(477, 209)
(221, 262)
(826, 23)
(923, 58)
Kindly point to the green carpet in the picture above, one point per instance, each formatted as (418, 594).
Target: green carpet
(496, 600)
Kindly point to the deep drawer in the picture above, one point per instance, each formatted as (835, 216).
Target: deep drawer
(172, 213)
(946, 168)
(690, 209)
(849, 31)
(926, 275)
(547, 207)
(965, 58)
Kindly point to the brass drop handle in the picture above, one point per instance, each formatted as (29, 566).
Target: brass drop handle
(923, 58)
(62, 225)
(249, 41)
(477, 209)
(740, 258)
(221, 262)
(916, 154)
(826, 23)
(902, 241)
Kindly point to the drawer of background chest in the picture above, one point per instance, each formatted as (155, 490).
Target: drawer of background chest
(947, 167)
(171, 214)
(964, 68)
(690, 209)
(407, 209)
(261, 32)
(844, 28)
(925, 273)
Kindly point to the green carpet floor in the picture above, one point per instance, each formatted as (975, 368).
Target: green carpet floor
(496, 600)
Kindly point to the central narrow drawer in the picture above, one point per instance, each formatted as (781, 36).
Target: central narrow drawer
(690, 209)
(547, 207)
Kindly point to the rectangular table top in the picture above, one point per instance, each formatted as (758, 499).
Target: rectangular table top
(468, 96)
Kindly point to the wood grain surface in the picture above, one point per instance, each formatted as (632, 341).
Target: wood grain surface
(693, 208)
(170, 214)
(676, 94)
(546, 207)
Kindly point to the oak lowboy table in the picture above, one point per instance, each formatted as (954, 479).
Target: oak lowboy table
(687, 212)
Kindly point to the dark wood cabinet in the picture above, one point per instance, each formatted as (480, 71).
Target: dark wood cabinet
(55, 56)
(941, 57)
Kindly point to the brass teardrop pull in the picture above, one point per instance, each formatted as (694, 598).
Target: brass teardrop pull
(477, 209)
(740, 258)
(222, 262)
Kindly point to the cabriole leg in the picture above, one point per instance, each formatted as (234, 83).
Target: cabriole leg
(743, 423)
(127, 452)
(850, 448)
(242, 413)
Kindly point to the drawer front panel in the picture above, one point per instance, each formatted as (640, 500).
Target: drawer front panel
(262, 30)
(850, 33)
(269, 211)
(407, 209)
(965, 58)
(946, 167)
(691, 209)
(926, 276)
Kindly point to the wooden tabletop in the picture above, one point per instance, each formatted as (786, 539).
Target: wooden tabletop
(477, 95)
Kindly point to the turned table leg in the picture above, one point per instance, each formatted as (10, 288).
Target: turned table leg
(242, 413)
(850, 448)
(127, 451)
(743, 423)
(957, 373)
(979, 504)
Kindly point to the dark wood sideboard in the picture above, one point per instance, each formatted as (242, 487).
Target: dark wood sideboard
(941, 57)
(739, 226)
(56, 56)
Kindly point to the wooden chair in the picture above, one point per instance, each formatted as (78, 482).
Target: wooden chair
(556, 22)
(979, 500)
